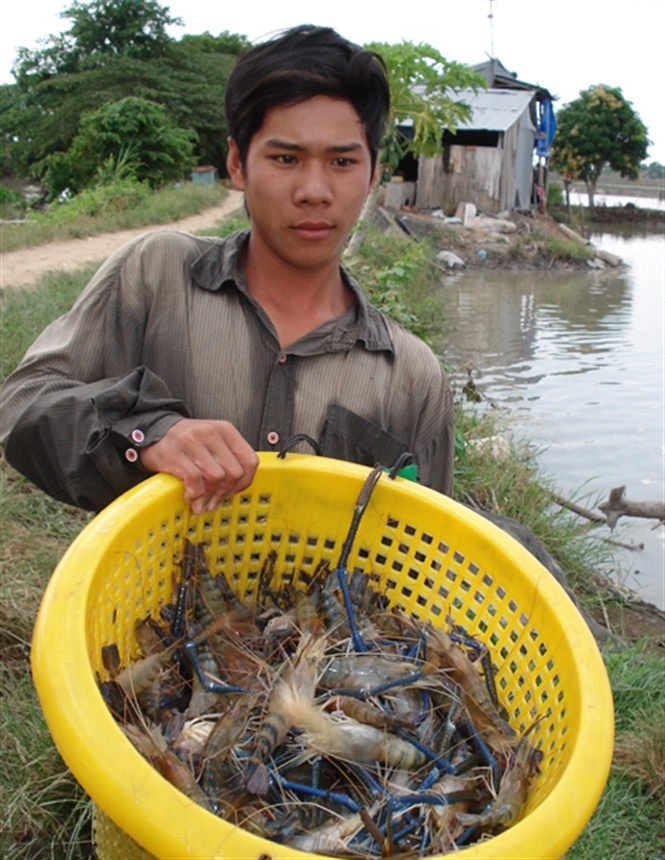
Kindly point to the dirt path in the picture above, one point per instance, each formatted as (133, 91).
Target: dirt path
(22, 268)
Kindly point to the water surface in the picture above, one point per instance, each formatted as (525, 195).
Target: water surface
(577, 360)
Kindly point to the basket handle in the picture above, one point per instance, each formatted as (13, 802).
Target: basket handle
(293, 440)
(403, 461)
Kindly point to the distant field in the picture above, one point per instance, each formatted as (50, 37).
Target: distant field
(612, 183)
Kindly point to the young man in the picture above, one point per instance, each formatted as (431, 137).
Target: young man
(187, 355)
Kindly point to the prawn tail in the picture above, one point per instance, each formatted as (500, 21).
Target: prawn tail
(256, 778)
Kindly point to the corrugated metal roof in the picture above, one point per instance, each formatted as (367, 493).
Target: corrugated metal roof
(494, 110)
(498, 77)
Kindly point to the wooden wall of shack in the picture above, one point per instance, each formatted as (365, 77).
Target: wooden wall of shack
(493, 177)
(482, 175)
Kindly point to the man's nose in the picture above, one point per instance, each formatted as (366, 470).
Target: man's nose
(314, 184)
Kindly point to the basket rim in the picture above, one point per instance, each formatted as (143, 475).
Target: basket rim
(127, 787)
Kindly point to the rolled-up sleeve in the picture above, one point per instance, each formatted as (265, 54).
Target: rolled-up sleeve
(81, 402)
(81, 444)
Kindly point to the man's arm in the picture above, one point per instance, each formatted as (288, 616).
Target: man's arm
(88, 443)
(84, 420)
(79, 442)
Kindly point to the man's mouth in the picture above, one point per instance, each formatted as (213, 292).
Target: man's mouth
(313, 229)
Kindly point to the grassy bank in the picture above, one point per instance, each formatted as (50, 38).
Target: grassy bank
(124, 205)
(45, 813)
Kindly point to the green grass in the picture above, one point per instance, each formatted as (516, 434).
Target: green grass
(629, 821)
(399, 278)
(236, 221)
(99, 212)
(45, 813)
(515, 487)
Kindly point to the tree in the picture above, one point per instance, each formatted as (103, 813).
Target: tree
(423, 85)
(655, 170)
(115, 49)
(136, 130)
(132, 27)
(100, 29)
(598, 129)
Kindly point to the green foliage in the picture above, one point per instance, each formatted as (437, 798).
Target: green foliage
(132, 128)
(132, 27)
(23, 318)
(554, 195)
(599, 129)
(45, 811)
(12, 203)
(69, 221)
(399, 279)
(568, 250)
(116, 49)
(100, 28)
(387, 293)
(231, 224)
(422, 83)
(632, 800)
(655, 170)
(118, 196)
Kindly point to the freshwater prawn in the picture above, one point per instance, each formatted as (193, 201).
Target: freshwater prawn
(299, 680)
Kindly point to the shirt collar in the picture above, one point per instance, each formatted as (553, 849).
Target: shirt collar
(219, 267)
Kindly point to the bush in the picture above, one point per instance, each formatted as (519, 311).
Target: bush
(567, 250)
(131, 136)
(117, 196)
(554, 195)
(12, 203)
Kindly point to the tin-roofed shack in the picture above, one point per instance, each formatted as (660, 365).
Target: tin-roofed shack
(205, 175)
(491, 159)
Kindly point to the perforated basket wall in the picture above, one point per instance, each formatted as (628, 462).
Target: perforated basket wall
(430, 556)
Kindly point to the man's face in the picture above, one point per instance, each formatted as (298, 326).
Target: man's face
(307, 173)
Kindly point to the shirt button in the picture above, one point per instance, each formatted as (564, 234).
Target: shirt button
(138, 436)
(272, 437)
(282, 359)
(131, 455)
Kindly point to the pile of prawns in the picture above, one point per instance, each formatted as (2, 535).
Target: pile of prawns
(316, 717)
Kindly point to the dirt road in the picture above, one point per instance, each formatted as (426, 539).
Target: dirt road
(24, 267)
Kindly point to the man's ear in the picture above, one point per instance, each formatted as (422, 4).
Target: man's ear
(234, 165)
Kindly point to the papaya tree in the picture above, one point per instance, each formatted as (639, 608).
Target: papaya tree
(599, 129)
(422, 92)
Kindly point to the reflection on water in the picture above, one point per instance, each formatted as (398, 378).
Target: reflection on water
(580, 199)
(578, 358)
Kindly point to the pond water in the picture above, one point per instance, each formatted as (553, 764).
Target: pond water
(609, 200)
(576, 360)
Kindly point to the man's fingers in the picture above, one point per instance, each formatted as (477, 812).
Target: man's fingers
(211, 457)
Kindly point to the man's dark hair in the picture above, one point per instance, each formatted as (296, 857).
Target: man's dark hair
(300, 64)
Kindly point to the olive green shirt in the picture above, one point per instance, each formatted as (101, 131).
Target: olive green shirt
(167, 328)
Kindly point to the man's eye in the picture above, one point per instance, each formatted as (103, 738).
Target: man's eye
(343, 162)
(285, 158)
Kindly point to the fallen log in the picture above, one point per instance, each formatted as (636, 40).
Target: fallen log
(619, 506)
(573, 235)
(577, 509)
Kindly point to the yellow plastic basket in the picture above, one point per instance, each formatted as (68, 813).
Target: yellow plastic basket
(435, 558)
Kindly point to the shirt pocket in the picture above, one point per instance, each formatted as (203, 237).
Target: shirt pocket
(348, 436)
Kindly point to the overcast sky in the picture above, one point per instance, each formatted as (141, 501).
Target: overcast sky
(564, 46)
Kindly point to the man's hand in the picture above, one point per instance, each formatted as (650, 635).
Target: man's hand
(211, 457)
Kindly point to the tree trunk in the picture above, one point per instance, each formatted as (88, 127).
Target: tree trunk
(369, 208)
(591, 193)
